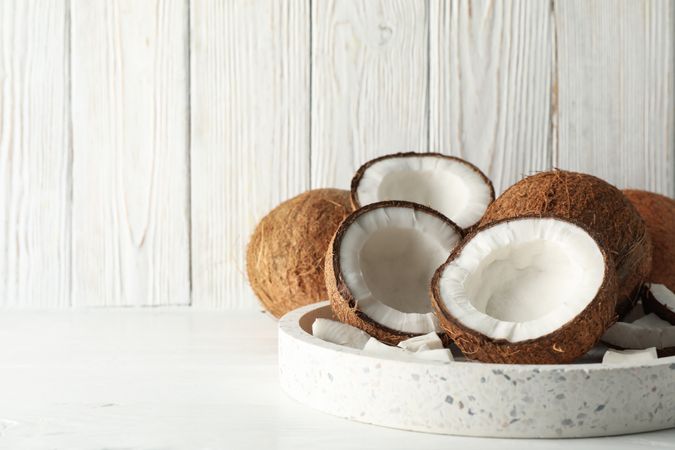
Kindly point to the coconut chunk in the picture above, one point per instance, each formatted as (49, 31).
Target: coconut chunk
(380, 265)
(438, 354)
(661, 301)
(425, 342)
(528, 290)
(647, 331)
(452, 186)
(377, 348)
(629, 356)
(642, 328)
(339, 333)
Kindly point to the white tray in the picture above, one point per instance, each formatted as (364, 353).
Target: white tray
(469, 398)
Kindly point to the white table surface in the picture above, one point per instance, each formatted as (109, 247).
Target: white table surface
(182, 379)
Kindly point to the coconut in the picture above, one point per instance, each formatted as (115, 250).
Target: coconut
(424, 342)
(339, 333)
(526, 291)
(379, 266)
(641, 330)
(658, 213)
(630, 356)
(450, 185)
(598, 207)
(376, 348)
(284, 259)
(660, 300)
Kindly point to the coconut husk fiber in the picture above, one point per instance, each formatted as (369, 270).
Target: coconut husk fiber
(597, 206)
(285, 256)
(564, 345)
(658, 213)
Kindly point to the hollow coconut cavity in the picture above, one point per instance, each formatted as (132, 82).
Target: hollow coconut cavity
(642, 329)
(597, 206)
(451, 186)
(379, 267)
(526, 291)
(284, 258)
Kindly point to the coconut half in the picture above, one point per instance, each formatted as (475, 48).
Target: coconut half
(451, 186)
(379, 267)
(526, 291)
(597, 206)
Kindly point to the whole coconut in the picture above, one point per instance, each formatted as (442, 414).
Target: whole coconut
(285, 256)
(658, 212)
(597, 206)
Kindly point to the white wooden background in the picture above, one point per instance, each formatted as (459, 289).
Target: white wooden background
(140, 141)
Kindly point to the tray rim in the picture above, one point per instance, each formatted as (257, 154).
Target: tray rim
(290, 322)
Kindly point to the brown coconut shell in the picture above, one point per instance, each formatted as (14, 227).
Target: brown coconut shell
(598, 207)
(356, 180)
(284, 259)
(658, 213)
(564, 345)
(343, 303)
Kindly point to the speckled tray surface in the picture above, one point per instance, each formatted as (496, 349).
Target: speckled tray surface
(470, 398)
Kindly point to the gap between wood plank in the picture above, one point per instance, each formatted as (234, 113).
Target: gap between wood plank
(553, 112)
(188, 142)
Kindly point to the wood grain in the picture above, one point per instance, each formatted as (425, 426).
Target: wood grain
(130, 173)
(250, 132)
(140, 142)
(490, 85)
(35, 184)
(616, 99)
(369, 84)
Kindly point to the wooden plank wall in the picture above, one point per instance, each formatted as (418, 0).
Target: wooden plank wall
(130, 153)
(141, 141)
(250, 132)
(35, 154)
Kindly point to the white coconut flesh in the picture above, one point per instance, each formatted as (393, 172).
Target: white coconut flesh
(422, 343)
(522, 279)
(449, 186)
(663, 295)
(387, 258)
(629, 356)
(339, 333)
(377, 348)
(428, 347)
(640, 331)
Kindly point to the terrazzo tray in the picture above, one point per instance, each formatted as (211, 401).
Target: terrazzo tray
(470, 398)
